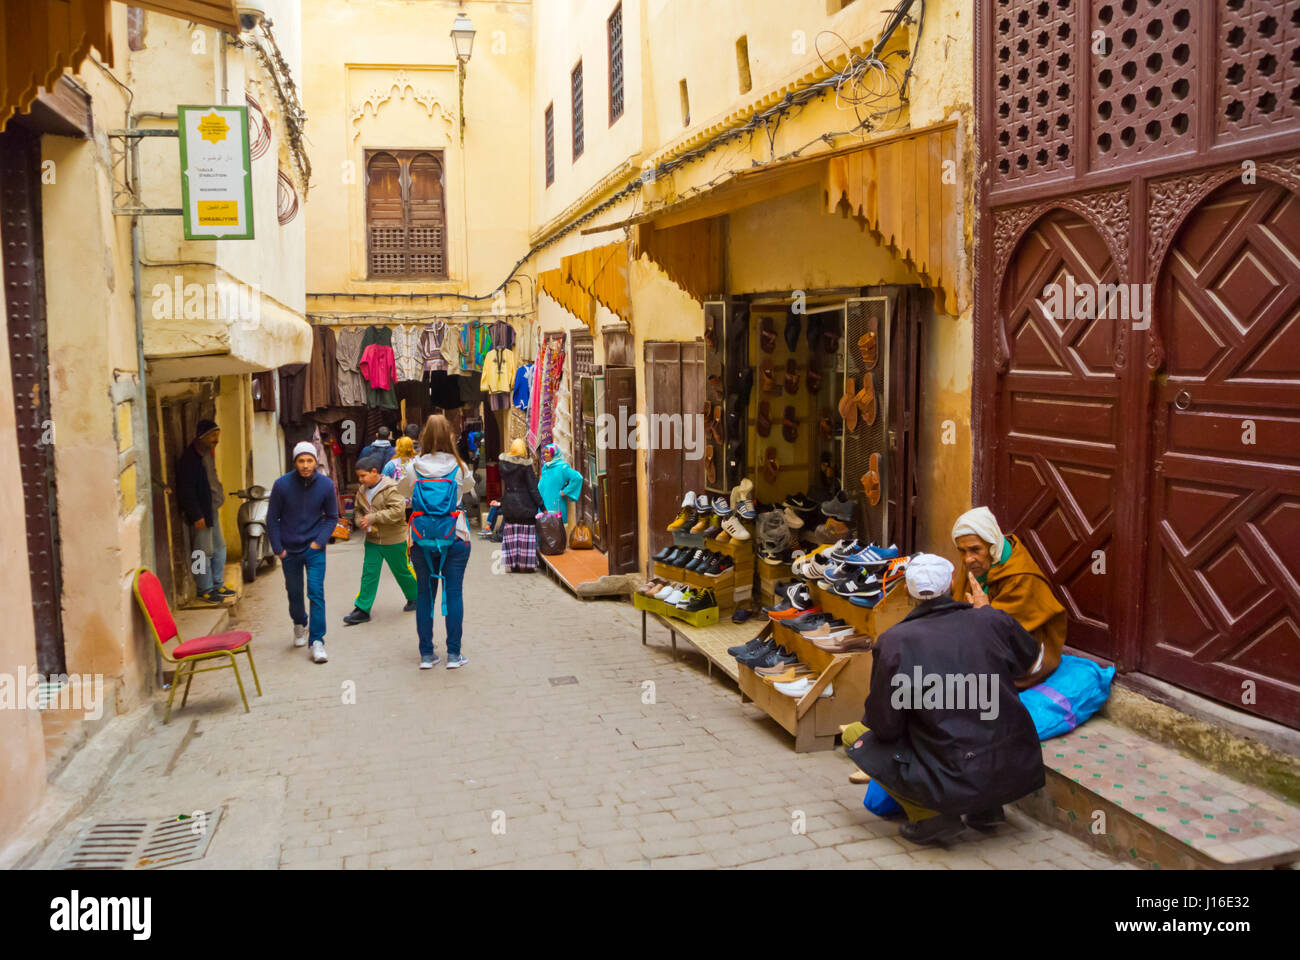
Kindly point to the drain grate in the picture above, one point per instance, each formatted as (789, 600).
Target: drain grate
(144, 844)
(563, 681)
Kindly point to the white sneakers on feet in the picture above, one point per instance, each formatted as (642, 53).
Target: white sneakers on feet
(318, 654)
(300, 635)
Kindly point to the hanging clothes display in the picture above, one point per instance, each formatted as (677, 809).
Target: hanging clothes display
(408, 352)
(546, 385)
(378, 367)
(431, 338)
(264, 391)
(351, 385)
(523, 386)
(322, 386)
(293, 382)
(498, 371)
(444, 389)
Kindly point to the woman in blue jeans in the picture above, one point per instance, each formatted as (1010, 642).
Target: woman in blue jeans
(439, 461)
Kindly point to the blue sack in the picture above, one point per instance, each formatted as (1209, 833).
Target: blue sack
(1072, 694)
(879, 802)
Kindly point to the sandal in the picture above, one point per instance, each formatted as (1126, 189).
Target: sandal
(766, 379)
(827, 425)
(792, 331)
(830, 340)
(814, 330)
(767, 335)
(848, 404)
(771, 469)
(814, 382)
(791, 376)
(828, 472)
(871, 480)
(710, 468)
(790, 425)
(868, 346)
(715, 424)
(866, 401)
(764, 425)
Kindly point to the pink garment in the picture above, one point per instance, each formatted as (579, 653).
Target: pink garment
(379, 366)
(535, 402)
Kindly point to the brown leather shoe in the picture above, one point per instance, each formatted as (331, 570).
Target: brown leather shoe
(790, 425)
(868, 344)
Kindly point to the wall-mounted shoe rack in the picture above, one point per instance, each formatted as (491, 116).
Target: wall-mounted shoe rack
(812, 719)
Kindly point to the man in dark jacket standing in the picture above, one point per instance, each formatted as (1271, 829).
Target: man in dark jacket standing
(382, 447)
(947, 735)
(300, 520)
(200, 497)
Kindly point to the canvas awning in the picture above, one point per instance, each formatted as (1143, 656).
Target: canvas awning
(593, 276)
(907, 191)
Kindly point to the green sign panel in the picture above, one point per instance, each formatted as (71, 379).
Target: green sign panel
(216, 173)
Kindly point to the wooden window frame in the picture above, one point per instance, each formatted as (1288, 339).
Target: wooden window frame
(615, 38)
(404, 157)
(576, 103)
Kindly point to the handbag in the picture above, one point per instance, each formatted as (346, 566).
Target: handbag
(551, 536)
(581, 538)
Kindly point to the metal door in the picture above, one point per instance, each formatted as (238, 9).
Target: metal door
(24, 285)
(1060, 424)
(1224, 567)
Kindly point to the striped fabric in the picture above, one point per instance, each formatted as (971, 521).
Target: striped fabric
(519, 546)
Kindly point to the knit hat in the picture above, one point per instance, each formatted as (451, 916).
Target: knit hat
(204, 428)
(304, 446)
(928, 576)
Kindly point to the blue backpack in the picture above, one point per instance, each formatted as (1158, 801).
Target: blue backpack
(435, 511)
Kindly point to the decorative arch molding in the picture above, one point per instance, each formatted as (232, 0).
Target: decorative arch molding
(1108, 211)
(401, 88)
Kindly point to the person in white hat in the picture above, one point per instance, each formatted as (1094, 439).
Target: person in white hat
(946, 733)
(300, 520)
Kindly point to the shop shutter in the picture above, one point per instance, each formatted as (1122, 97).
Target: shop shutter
(385, 223)
(427, 217)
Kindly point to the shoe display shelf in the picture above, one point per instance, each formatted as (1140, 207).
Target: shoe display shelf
(700, 618)
(683, 538)
(742, 554)
(813, 720)
(723, 585)
(871, 620)
(769, 575)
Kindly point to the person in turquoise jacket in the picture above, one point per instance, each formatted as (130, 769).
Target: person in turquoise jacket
(559, 482)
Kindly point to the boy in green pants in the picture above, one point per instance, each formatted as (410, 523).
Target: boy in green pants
(381, 512)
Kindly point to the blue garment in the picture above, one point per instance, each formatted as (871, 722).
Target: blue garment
(453, 572)
(558, 482)
(383, 449)
(301, 512)
(521, 393)
(212, 542)
(311, 562)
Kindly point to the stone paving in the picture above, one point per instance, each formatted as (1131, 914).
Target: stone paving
(368, 762)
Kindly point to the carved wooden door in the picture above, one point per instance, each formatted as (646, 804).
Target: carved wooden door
(1224, 574)
(1060, 424)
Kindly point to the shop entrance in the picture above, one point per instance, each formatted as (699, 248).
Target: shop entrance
(24, 276)
(178, 419)
(674, 375)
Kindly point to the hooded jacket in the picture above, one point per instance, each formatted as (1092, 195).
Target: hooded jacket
(386, 508)
(968, 744)
(432, 466)
(1018, 586)
(383, 449)
(521, 501)
(558, 484)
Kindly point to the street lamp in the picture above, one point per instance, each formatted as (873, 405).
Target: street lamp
(462, 35)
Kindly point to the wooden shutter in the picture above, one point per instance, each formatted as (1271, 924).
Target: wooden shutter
(385, 219)
(575, 81)
(616, 64)
(426, 217)
(550, 145)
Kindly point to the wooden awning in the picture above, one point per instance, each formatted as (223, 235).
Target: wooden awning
(212, 13)
(602, 273)
(693, 255)
(907, 191)
(42, 38)
(569, 295)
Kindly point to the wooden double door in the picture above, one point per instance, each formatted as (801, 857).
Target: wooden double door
(1150, 456)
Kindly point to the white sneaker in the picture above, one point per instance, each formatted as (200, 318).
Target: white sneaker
(665, 593)
(735, 529)
(797, 688)
(792, 519)
(689, 500)
(455, 661)
(318, 654)
(300, 635)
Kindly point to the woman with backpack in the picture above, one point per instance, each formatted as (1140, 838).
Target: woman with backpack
(521, 502)
(438, 538)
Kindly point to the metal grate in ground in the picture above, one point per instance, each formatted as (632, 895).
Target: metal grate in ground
(143, 844)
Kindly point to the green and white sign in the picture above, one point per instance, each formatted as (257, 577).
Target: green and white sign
(216, 173)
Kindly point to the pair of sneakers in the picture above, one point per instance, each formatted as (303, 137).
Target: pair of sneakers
(685, 597)
(216, 597)
(454, 661)
(317, 651)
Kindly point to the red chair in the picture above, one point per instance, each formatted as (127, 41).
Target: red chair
(188, 653)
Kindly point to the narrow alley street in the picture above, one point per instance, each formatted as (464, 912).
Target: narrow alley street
(418, 770)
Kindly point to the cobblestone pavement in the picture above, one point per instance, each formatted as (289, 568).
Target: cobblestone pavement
(497, 765)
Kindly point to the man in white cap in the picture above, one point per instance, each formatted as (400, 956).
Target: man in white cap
(300, 520)
(946, 733)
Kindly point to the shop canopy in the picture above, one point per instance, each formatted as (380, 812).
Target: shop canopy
(592, 276)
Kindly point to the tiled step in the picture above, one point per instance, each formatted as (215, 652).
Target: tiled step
(1159, 808)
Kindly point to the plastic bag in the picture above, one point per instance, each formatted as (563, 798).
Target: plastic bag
(552, 538)
(1073, 693)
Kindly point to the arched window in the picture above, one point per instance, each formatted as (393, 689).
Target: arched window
(406, 219)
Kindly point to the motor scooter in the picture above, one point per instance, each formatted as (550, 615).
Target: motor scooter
(253, 536)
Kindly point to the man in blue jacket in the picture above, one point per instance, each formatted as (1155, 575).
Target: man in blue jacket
(300, 520)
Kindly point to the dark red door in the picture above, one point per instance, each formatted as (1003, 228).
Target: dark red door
(1224, 574)
(1059, 423)
(623, 492)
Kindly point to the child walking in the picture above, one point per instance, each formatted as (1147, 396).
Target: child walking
(381, 512)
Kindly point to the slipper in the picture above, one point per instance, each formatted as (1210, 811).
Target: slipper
(848, 405)
(766, 379)
(866, 401)
(868, 345)
(791, 376)
(814, 381)
(790, 426)
(814, 330)
(771, 469)
(871, 480)
(715, 424)
(827, 425)
(828, 471)
(710, 468)
(767, 335)
(764, 425)
(792, 330)
(830, 340)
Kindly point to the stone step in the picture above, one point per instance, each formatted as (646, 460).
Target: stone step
(1158, 808)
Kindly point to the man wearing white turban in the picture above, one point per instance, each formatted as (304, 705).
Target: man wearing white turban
(1000, 571)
